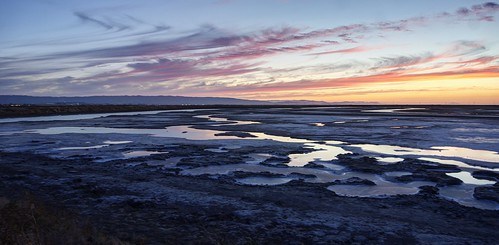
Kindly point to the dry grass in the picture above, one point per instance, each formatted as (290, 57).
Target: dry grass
(27, 221)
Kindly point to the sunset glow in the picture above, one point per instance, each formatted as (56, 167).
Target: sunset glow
(408, 52)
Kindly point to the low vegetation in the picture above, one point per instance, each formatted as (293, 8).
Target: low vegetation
(28, 221)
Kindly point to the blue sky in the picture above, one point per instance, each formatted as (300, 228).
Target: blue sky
(383, 51)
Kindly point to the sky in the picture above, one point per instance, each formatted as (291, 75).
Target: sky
(384, 51)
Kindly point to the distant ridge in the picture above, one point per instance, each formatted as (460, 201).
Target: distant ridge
(145, 100)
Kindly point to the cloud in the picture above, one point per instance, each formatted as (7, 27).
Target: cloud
(85, 18)
(481, 11)
(477, 61)
(389, 77)
(399, 62)
(357, 49)
(209, 53)
(465, 47)
(456, 49)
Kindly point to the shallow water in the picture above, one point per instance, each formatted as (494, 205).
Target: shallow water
(81, 147)
(132, 154)
(321, 153)
(377, 190)
(440, 151)
(467, 178)
(394, 110)
(389, 160)
(456, 163)
(263, 181)
(184, 132)
(463, 194)
(225, 120)
(86, 116)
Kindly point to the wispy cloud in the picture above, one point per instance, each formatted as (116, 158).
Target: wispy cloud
(390, 77)
(85, 18)
(357, 49)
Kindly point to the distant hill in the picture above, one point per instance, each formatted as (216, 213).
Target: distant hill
(145, 100)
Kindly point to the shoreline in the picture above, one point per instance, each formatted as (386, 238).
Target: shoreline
(13, 111)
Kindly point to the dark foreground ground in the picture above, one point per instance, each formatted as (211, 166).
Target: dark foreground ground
(142, 205)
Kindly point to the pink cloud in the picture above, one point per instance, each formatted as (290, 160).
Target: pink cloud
(348, 50)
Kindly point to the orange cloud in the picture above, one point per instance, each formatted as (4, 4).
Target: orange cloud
(391, 77)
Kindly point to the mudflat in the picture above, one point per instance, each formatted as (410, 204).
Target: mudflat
(266, 175)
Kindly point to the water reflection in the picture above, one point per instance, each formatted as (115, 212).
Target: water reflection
(87, 116)
(442, 151)
(388, 160)
(321, 153)
(263, 180)
(467, 178)
(225, 120)
(133, 154)
(82, 147)
(457, 163)
(394, 110)
(463, 194)
(377, 191)
(185, 132)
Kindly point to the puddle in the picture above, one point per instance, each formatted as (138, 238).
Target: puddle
(463, 194)
(82, 147)
(263, 181)
(397, 173)
(185, 132)
(467, 178)
(441, 151)
(388, 160)
(457, 163)
(394, 110)
(225, 120)
(334, 142)
(258, 158)
(133, 154)
(110, 142)
(320, 153)
(331, 166)
(216, 150)
(169, 162)
(107, 143)
(376, 191)
(382, 188)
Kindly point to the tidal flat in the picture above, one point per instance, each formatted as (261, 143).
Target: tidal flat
(297, 175)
